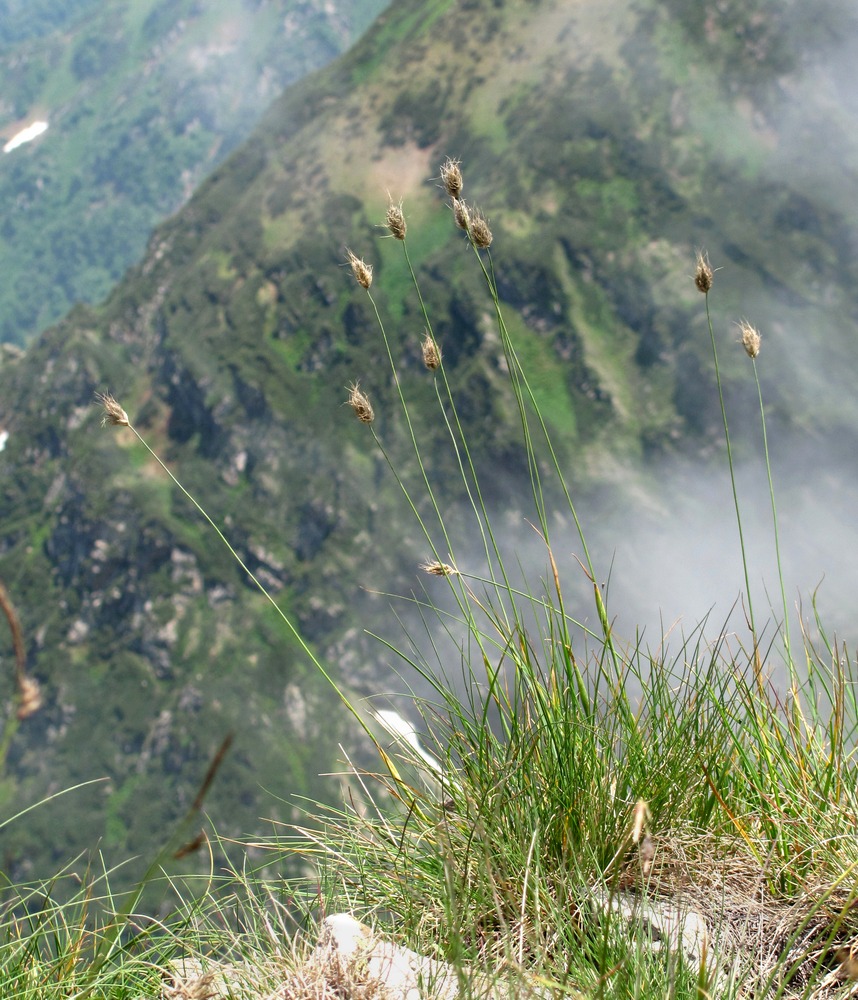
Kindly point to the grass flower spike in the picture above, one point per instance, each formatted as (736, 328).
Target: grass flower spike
(361, 270)
(451, 177)
(395, 221)
(461, 214)
(479, 230)
(29, 698)
(703, 273)
(359, 402)
(113, 412)
(437, 568)
(750, 338)
(431, 353)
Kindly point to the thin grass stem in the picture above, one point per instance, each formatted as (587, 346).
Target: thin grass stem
(786, 621)
(262, 589)
(733, 480)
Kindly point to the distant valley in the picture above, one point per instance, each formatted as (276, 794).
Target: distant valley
(126, 108)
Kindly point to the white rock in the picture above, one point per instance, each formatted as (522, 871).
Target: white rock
(25, 135)
(667, 925)
(349, 956)
(406, 975)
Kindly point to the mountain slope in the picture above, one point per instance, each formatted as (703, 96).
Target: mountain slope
(604, 141)
(141, 101)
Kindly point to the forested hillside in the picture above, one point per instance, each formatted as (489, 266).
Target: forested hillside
(141, 101)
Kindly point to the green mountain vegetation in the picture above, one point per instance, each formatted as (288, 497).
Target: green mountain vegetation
(142, 100)
(23, 20)
(604, 141)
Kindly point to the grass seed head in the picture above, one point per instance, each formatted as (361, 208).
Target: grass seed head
(461, 215)
(703, 273)
(431, 353)
(359, 402)
(395, 220)
(451, 177)
(480, 232)
(640, 818)
(29, 698)
(113, 412)
(750, 338)
(361, 270)
(436, 568)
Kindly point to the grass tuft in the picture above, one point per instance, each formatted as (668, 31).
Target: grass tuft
(562, 812)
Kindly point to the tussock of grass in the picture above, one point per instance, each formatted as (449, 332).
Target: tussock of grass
(576, 816)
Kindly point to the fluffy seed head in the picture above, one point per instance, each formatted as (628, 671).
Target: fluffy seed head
(461, 214)
(640, 817)
(451, 177)
(29, 698)
(480, 232)
(359, 402)
(431, 353)
(703, 273)
(436, 568)
(396, 221)
(113, 412)
(750, 338)
(361, 270)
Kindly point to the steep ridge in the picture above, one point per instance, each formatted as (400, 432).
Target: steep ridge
(604, 140)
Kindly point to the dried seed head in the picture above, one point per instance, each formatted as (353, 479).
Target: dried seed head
(361, 270)
(750, 338)
(436, 568)
(480, 232)
(396, 221)
(703, 273)
(646, 853)
(461, 214)
(641, 815)
(29, 698)
(113, 412)
(359, 402)
(451, 177)
(431, 353)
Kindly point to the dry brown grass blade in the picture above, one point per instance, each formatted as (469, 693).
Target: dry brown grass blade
(15, 628)
(733, 819)
(217, 760)
(29, 696)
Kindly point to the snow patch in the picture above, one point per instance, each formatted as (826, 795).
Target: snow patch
(4, 437)
(25, 135)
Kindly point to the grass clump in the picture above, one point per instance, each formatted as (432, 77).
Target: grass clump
(571, 813)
